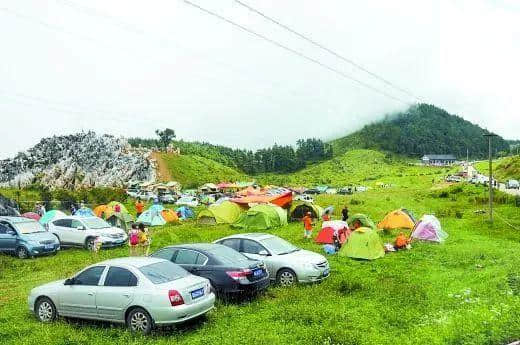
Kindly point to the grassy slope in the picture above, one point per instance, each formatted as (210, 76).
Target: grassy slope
(193, 171)
(503, 169)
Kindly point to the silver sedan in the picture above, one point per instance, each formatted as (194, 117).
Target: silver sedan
(285, 262)
(139, 291)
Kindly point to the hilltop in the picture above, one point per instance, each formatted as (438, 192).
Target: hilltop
(503, 169)
(422, 129)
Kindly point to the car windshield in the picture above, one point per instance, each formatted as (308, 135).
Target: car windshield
(95, 223)
(163, 272)
(279, 246)
(228, 256)
(29, 227)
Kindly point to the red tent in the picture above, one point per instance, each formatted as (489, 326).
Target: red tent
(326, 235)
(31, 215)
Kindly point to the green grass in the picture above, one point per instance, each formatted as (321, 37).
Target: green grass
(465, 291)
(193, 171)
(503, 169)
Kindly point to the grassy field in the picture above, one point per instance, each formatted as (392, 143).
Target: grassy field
(503, 169)
(465, 291)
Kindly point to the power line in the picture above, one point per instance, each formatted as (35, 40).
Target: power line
(317, 44)
(293, 51)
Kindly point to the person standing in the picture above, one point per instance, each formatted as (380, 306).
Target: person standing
(144, 240)
(133, 239)
(344, 213)
(307, 225)
(139, 207)
(326, 216)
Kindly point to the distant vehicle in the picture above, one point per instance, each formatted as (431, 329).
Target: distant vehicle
(228, 271)
(142, 292)
(147, 195)
(454, 178)
(513, 184)
(82, 231)
(304, 197)
(26, 238)
(286, 263)
(187, 201)
(167, 198)
(312, 191)
(361, 189)
(132, 192)
(346, 190)
(479, 179)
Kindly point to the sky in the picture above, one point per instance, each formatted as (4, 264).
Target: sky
(127, 67)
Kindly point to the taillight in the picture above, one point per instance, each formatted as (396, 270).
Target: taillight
(175, 298)
(237, 275)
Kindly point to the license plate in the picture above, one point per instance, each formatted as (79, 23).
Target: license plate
(258, 273)
(197, 293)
(49, 246)
(326, 272)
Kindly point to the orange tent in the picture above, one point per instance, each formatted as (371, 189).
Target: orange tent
(98, 211)
(282, 200)
(169, 216)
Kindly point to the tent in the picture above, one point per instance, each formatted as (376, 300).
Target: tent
(363, 219)
(398, 219)
(120, 220)
(299, 209)
(170, 216)
(185, 212)
(51, 215)
(282, 199)
(31, 215)
(328, 229)
(99, 211)
(111, 209)
(428, 228)
(363, 243)
(225, 213)
(261, 217)
(84, 212)
(157, 215)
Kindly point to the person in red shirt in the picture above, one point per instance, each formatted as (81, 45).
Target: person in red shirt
(326, 216)
(139, 207)
(307, 225)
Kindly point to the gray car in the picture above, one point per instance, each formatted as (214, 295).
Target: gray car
(142, 292)
(286, 263)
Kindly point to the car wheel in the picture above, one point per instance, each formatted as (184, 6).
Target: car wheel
(45, 310)
(89, 244)
(286, 277)
(139, 321)
(22, 253)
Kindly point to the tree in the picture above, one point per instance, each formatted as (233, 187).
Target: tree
(165, 136)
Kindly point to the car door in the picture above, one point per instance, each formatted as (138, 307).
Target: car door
(61, 228)
(77, 232)
(165, 253)
(8, 237)
(116, 293)
(79, 298)
(252, 250)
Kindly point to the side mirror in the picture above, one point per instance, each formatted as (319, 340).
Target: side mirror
(69, 281)
(263, 253)
(81, 227)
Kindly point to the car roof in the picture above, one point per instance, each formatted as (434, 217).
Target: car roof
(259, 236)
(75, 217)
(134, 261)
(16, 219)
(197, 246)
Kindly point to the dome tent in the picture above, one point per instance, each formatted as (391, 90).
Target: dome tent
(261, 217)
(185, 212)
(398, 219)
(31, 215)
(363, 243)
(50, 216)
(84, 212)
(170, 216)
(99, 211)
(428, 228)
(225, 213)
(328, 229)
(363, 219)
(299, 210)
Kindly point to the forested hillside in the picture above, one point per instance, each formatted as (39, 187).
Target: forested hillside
(422, 129)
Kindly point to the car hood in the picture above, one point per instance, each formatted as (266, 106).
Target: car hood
(306, 256)
(52, 286)
(39, 236)
(110, 231)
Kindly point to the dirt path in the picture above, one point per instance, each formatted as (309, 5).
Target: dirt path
(163, 174)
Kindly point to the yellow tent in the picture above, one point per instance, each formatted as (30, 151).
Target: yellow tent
(170, 216)
(398, 219)
(98, 211)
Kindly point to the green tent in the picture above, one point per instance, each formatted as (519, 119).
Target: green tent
(364, 243)
(363, 219)
(225, 213)
(262, 217)
(299, 210)
(120, 220)
(151, 218)
(50, 216)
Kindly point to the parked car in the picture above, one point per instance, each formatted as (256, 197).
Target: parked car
(147, 195)
(132, 192)
(81, 231)
(513, 184)
(286, 263)
(454, 178)
(304, 197)
(312, 191)
(167, 198)
(187, 201)
(346, 190)
(139, 291)
(26, 238)
(228, 271)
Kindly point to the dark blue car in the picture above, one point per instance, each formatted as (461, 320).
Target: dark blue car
(26, 238)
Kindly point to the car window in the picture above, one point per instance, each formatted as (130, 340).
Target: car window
(163, 272)
(90, 276)
(201, 259)
(76, 224)
(227, 256)
(232, 243)
(4, 228)
(118, 276)
(186, 257)
(251, 247)
(62, 222)
(166, 253)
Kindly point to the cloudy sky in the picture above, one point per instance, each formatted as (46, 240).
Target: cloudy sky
(127, 67)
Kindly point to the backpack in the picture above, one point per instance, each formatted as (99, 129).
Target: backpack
(134, 238)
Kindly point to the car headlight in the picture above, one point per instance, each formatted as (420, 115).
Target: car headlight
(34, 243)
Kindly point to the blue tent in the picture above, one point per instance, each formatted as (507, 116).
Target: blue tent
(185, 212)
(85, 212)
(152, 216)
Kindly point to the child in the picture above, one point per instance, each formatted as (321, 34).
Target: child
(326, 216)
(144, 241)
(133, 241)
(401, 241)
(97, 245)
(307, 225)
(139, 207)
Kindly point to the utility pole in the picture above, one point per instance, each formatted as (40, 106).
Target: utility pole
(490, 137)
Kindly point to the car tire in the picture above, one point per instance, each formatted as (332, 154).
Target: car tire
(45, 310)
(139, 321)
(286, 277)
(22, 253)
(89, 243)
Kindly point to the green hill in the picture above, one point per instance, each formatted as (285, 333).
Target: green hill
(192, 171)
(503, 169)
(422, 129)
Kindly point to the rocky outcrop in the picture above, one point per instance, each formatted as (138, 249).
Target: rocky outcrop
(80, 160)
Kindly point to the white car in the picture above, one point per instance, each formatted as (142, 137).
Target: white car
(304, 197)
(512, 184)
(146, 195)
(286, 263)
(187, 201)
(141, 292)
(82, 231)
(132, 192)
